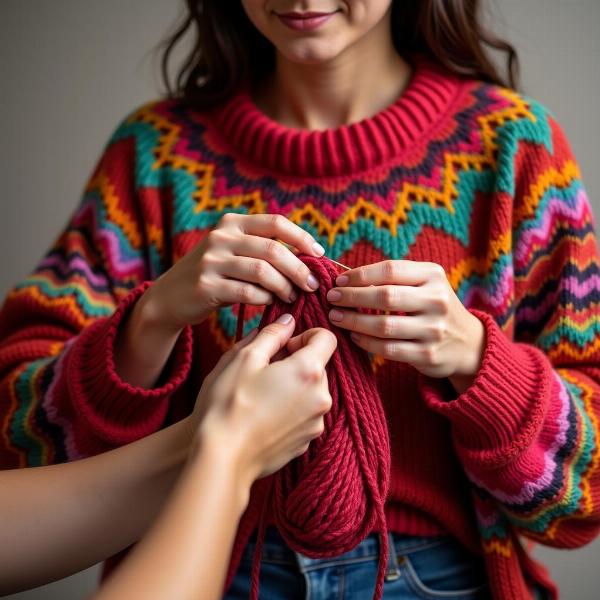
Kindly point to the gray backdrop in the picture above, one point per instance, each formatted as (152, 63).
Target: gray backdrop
(71, 69)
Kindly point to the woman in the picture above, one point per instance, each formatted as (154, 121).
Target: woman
(381, 133)
(251, 417)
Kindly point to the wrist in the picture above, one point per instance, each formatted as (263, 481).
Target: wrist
(224, 452)
(475, 340)
(150, 315)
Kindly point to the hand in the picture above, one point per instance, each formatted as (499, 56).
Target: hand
(238, 261)
(439, 336)
(267, 412)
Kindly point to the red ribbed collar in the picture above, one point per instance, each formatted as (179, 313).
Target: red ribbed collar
(346, 150)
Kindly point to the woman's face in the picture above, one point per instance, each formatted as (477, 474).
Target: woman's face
(315, 31)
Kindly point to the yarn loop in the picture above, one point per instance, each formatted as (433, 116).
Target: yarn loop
(328, 500)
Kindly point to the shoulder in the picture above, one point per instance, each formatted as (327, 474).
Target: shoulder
(148, 136)
(153, 120)
(522, 135)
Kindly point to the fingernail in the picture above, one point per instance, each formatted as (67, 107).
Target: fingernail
(318, 249)
(334, 295)
(284, 319)
(342, 280)
(313, 284)
(293, 296)
(336, 315)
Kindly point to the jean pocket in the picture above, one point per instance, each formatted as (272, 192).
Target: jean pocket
(446, 571)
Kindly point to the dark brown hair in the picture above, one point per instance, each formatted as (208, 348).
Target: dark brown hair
(228, 50)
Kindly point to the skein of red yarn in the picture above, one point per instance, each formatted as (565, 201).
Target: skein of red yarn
(328, 500)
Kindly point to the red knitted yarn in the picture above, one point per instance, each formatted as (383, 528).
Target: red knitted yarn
(328, 500)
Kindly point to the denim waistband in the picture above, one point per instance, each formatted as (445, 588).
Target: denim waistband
(275, 549)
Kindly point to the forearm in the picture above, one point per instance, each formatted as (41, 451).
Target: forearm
(186, 554)
(60, 519)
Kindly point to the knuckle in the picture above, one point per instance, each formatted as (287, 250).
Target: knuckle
(216, 239)
(323, 403)
(389, 349)
(389, 297)
(441, 301)
(437, 330)
(272, 329)
(430, 354)
(227, 219)
(273, 250)
(437, 270)
(245, 293)
(389, 269)
(204, 282)
(361, 275)
(311, 372)
(277, 222)
(259, 269)
(386, 328)
(250, 353)
(350, 296)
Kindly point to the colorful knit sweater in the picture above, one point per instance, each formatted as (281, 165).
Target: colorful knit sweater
(459, 172)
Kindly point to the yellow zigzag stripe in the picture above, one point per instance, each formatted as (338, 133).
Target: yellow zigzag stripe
(128, 226)
(204, 173)
(564, 349)
(454, 163)
(66, 303)
(503, 244)
(463, 269)
(551, 177)
(496, 546)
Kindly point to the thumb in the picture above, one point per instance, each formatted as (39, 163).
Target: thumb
(270, 340)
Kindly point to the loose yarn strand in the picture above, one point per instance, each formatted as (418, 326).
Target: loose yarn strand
(328, 500)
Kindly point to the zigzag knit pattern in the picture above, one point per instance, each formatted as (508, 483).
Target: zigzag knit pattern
(459, 172)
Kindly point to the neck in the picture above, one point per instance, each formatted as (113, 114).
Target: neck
(363, 80)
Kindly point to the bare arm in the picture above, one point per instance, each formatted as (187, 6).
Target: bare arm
(186, 553)
(259, 417)
(50, 514)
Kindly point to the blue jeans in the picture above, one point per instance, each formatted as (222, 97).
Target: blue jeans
(424, 568)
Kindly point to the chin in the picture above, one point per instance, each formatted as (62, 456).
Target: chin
(310, 52)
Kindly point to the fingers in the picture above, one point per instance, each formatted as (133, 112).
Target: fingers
(260, 272)
(405, 272)
(231, 291)
(384, 297)
(268, 341)
(276, 254)
(407, 351)
(388, 326)
(277, 226)
(311, 351)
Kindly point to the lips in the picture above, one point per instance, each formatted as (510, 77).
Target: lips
(306, 21)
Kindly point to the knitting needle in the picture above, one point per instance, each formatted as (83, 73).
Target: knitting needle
(339, 264)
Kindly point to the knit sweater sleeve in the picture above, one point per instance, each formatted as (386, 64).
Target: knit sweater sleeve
(60, 395)
(527, 429)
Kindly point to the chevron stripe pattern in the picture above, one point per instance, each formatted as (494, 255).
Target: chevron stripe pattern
(492, 192)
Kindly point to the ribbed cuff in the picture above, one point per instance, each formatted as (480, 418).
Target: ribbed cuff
(497, 417)
(115, 410)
